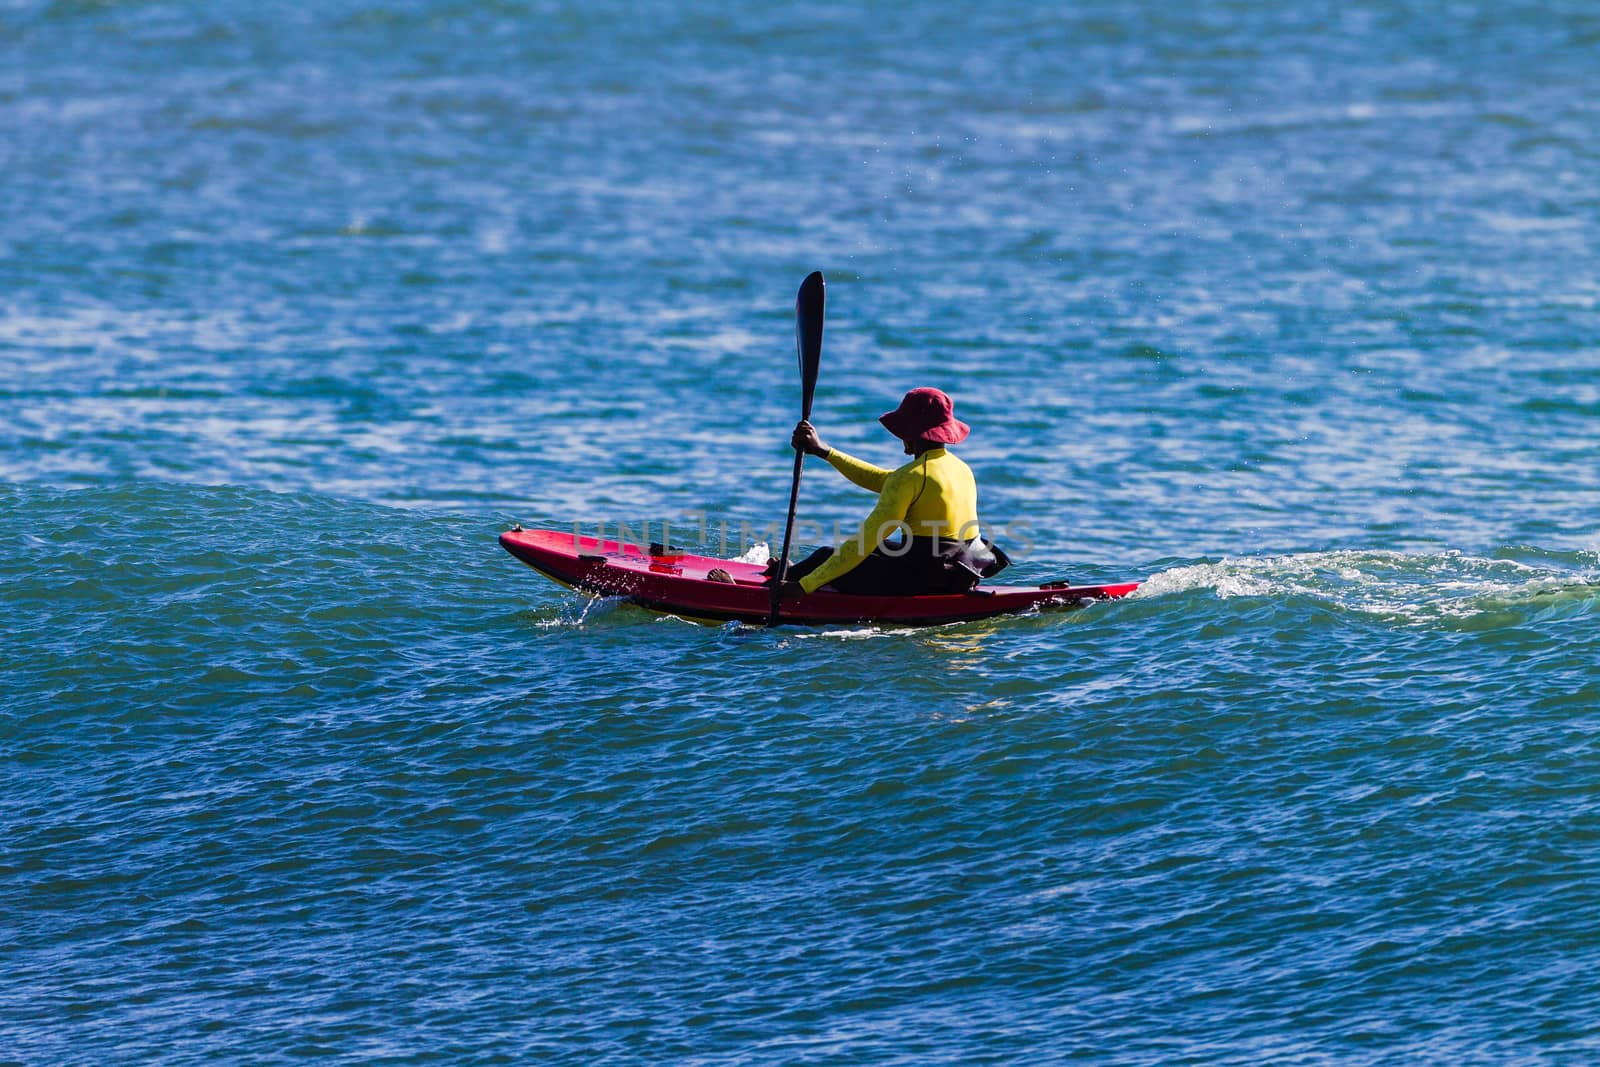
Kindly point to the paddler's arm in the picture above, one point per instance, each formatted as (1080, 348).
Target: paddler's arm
(864, 474)
(859, 471)
(893, 504)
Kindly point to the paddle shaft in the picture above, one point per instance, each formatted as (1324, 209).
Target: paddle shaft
(788, 527)
(808, 314)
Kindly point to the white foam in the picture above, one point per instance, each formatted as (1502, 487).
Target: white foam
(757, 554)
(1410, 587)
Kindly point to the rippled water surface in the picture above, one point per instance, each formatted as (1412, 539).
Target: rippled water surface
(1290, 310)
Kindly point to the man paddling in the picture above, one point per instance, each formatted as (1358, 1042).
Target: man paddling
(931, 502)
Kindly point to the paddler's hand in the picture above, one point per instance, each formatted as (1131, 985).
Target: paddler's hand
(790, 590)
(805, 440)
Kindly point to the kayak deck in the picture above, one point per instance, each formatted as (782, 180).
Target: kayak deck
(675, 582)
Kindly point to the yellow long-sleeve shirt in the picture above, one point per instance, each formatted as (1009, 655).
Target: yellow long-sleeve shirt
(932, 496)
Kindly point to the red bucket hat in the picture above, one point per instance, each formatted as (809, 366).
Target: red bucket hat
(927, 414)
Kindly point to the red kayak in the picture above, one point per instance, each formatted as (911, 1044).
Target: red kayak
(675, 582)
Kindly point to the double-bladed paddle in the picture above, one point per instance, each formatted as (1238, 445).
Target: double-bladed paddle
(808, 309)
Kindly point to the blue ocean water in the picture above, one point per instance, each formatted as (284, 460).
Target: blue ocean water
(1290, 310)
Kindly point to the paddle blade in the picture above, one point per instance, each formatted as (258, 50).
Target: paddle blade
(808, 310)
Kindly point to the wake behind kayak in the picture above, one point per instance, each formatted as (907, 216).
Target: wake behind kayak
(678, 583)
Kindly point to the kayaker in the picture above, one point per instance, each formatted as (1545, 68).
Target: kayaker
(930, 502)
